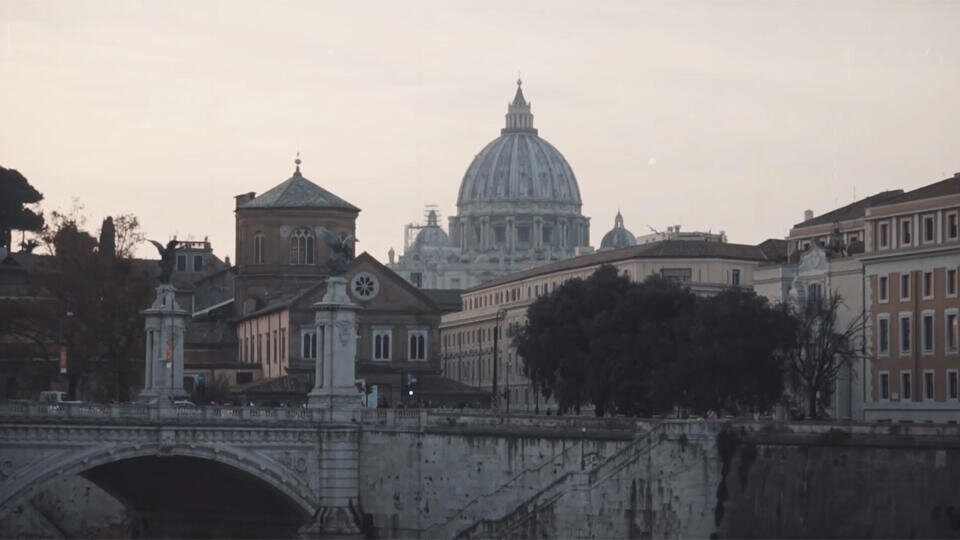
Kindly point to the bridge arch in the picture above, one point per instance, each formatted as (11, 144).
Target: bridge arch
(260, 471)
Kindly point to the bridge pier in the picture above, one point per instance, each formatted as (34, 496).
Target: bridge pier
(335, 391)
(165, 324)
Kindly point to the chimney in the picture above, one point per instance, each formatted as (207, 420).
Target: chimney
(245, 198)
(807, 215)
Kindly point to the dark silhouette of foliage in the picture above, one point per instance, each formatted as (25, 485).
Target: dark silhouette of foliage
(653, 347)
(99, 299)
(15, 193)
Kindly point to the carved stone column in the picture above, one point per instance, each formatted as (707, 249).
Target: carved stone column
(335, 376)
(165, 322)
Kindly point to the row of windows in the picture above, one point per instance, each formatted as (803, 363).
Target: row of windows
(381, 339)
(928, 326)
(302, 247)
(681, 275)
(927, 286)
(252, 348)
(906, 386)
(182, 263)
(480, 369)
(928, 230)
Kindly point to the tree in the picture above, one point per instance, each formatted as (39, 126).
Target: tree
(736, 356)
(99, 298)
(15, 194)
(821, 346)
(127, 234)
(653, 347)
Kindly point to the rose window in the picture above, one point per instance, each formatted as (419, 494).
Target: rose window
(365, 286)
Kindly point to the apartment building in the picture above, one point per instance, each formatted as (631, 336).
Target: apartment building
(475, 342)
(911, 263)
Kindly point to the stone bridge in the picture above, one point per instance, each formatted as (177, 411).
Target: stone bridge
(279, 472)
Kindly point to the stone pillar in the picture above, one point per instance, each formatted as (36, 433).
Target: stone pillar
(165, 324)
(334, 385)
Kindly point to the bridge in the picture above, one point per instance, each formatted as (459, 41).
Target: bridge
(301, 472)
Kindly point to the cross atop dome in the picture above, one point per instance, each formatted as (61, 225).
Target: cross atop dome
(519, 117)
(297, 163)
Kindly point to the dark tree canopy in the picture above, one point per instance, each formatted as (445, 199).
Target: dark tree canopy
(15, 193)
(653, 347)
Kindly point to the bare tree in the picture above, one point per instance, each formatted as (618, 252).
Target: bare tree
(822, 347)
(128, 234)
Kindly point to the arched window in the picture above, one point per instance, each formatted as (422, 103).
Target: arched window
(418, 341)
(258, 257)
(302, 246)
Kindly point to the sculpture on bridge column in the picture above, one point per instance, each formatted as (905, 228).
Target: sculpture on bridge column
(334, 384)
(165, 324)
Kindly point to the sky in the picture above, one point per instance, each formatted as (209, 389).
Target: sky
(724, 115)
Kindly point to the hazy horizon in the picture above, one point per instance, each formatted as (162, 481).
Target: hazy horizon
(733, 116)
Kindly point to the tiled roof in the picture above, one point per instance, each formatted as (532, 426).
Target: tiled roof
(666, 249)
(445, 299)
(853, 210)
(298, 192)
(949, 186)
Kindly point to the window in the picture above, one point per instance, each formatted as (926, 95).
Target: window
(929, 231)
(267, 354)
(259, 348)
(905, 324)
(547, 235)
(927, 332)
(905, 286)
(952, 226)
(928, 385)
(499, 235)
(952, 384)
(381, 344)
(244, 377)
(302, 246)
(883, 335)
(680, 275)
(950, 330)
(951, 282)
(735, 277)
(258, 256)
(416, 278)
(197, 263)
(181, 262)
(523, 234)
(906, 385)
(884, 385)
(308, 342)
(883, 288)
(884, 235)
(417, 345)
(283, 343)
(815, 292)
(905, 231)
(928, 285)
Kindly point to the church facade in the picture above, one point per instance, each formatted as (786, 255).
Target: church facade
(518, 207)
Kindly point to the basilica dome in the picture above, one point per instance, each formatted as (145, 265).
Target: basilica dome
(618, 237)
(519, 166)
(432, 235)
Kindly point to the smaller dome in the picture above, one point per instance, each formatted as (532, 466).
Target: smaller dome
(432, 235)
(618, 237)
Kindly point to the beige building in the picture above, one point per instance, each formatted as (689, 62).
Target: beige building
(822, 258)
(476, 347)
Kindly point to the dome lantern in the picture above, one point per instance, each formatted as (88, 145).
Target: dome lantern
(519, 117)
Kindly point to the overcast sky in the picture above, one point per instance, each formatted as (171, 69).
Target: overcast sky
(730, 116)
